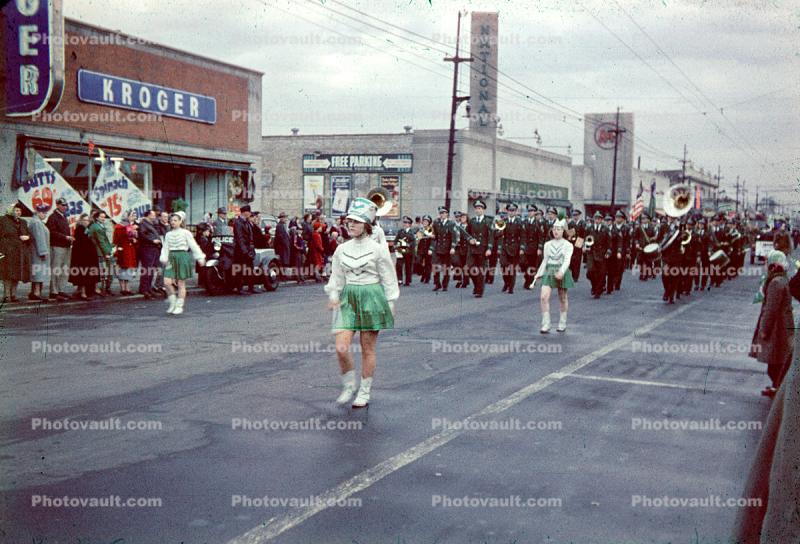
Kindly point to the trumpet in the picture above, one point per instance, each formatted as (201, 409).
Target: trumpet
(499, 224)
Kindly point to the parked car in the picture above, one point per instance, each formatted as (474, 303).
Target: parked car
(218, 270)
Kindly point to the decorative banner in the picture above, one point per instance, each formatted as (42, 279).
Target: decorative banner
(34, 51)
(341, 188)
(129, 94)
(313, 187)
(46, 186)
(392, 184)
(391, 162)
(114, 193)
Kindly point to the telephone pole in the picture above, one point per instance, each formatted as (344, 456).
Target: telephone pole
(737, 194)
(616, 131)
(456, 100)
(718, 178)
(756, 197)
(683, 165)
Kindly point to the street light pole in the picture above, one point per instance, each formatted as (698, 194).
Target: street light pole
(455, 101)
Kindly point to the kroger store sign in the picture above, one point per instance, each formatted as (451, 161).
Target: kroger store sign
(120, 92)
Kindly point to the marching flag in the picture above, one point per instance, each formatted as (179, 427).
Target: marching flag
(638, 205)
(651, 209)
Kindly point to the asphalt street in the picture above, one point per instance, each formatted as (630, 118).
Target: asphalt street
(480, 429)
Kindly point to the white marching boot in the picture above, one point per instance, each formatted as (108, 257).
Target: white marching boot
(545, 323)
(348, 387)
(562, 322)
(172, 301)
(362, 398)
(179, 306)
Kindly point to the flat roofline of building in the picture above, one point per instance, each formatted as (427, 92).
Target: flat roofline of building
(337, 135)
(97, 28)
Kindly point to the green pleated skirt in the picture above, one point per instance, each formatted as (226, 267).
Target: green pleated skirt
(362, 308)
(550, 280)
(179, 266)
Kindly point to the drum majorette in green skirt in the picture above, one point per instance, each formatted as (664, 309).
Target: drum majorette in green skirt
(549, 278)
(179, 266)
(363, 308)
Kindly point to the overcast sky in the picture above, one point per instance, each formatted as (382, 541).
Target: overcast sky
(325, 73)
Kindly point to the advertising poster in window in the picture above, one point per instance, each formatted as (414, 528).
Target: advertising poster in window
(114, 193)
(313, 187)
(392, 184)
(46, 186)
(341, 189)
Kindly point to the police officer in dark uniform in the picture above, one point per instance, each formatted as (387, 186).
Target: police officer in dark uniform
(424, 240)
(703, 253)
(576, 231)
(404, 244)
(532, 233)
(481, 241)
(443, 247)
(598, 253)
(460, 274)
(512, 248)
(620, 238)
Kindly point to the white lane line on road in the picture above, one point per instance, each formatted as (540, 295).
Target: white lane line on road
(636, 382)
(279, 525)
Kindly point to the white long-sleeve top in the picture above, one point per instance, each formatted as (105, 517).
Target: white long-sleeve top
(180, 240)
(362, 261)
(556, 252)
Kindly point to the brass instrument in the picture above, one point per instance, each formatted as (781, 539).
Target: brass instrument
(686, 238)
(402, 245)
(424, 232)
(589, 242)
(499, 224)
(382, 199)
(467, 236)
(678, 200)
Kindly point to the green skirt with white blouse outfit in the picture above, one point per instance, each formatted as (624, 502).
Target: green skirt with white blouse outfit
(179, 266)
(363, 308)
(549, 278)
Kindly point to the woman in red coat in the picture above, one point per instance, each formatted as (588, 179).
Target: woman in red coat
(125, 239)
(316, 252)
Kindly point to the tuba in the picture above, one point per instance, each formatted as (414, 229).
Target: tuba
(678, 200)
(382, 199)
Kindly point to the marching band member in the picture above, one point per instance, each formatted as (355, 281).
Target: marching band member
(599, 252)
(620, 239)
(362, 290)
(670, 259)
(445, 240)
(577, 229)
(645, 235)
(175, 255)
(533, 247)
(556, 275)
(424, 240)
(460, 258)
(404, 244)
(481, 239)
(513, 247)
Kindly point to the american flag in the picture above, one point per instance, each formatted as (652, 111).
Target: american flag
(638, 206)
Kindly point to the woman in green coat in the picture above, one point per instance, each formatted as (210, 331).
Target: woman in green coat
(15, 265)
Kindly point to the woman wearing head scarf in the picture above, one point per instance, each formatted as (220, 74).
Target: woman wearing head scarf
(40, 252)
(125, 239)
(555, 274)
(362, 289)
(15, 266)
(772, 339)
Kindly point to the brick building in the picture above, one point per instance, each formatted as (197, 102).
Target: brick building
(178, 125)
